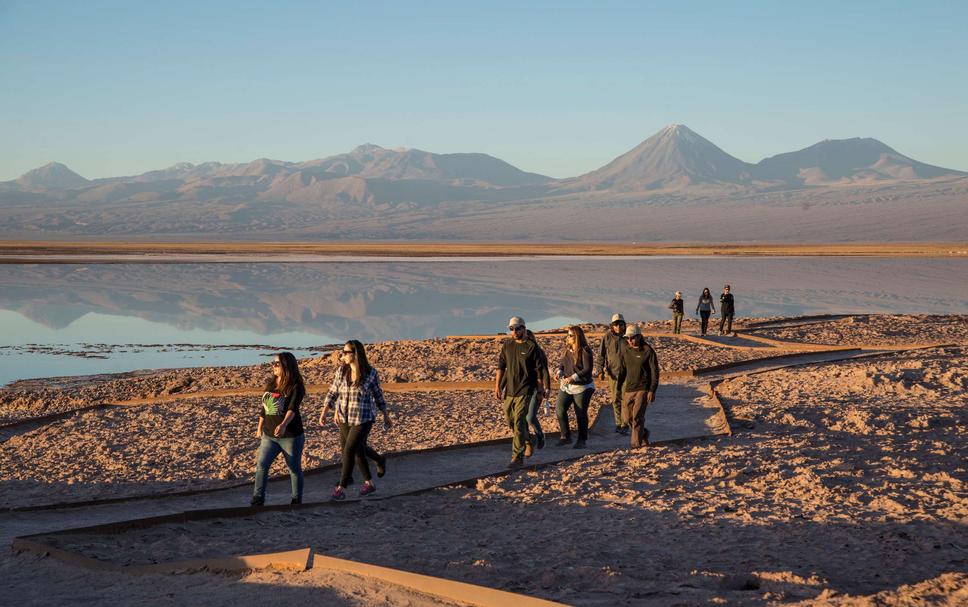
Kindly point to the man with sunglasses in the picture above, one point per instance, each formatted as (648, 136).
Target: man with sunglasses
(607, 363)
(519, 368)
(639, 376)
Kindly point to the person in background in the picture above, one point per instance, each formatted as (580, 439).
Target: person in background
(356, 395)
(576, 386)
(609, 359)
(280, 427)
(535, 402)
(639, 374)
(704, 308)
(677, 306)
(519, 370)
(726, 310)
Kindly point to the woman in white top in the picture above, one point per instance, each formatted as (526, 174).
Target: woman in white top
(576, 386)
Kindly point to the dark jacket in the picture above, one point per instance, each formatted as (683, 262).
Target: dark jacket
(676, 305)
(639, 370)
(582, 367)
(726, 307)
(610, 354)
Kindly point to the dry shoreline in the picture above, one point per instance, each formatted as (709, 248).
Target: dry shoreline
(16, 252)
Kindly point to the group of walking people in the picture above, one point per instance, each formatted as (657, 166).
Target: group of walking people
(705, 307)
(522, 381)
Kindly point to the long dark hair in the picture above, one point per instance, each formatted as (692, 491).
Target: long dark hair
(290, 378)
(706, 292)
(359, 353)
(581, 342)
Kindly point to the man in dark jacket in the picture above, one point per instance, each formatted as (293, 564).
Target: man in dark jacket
(727, 311)
(639, 374)
(607, 364)
(519, 369)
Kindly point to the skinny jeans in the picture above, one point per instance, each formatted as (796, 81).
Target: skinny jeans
(291, 449)
(353, 440)
(580, 402)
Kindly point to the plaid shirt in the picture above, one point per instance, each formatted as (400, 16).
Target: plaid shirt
(356, 405)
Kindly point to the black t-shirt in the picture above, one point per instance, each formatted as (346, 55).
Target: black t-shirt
(726, 304)
(676, 305)
(274, 408)
(522, 363)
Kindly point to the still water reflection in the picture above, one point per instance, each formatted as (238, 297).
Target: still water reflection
(307, 305)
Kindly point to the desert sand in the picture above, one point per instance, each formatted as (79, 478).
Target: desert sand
(843, 484)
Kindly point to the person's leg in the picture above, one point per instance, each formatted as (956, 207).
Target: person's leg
(517, 409)
(637, 418)
(561, 410)
(615, 391)
(361, 461)
(292, 449)
(722, 322)
(532, 418)
(268, 450)
(676, 322)
(628, 405)
(350, 439)
(582, 401)
(729, 324)
(704, 322)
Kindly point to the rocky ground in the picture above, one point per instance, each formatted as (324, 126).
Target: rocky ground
(843, 484)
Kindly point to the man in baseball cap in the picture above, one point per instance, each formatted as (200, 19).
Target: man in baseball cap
(519, 367)
(639, 376)
(607, 364)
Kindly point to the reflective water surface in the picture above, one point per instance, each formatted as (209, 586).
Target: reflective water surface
(79, 319)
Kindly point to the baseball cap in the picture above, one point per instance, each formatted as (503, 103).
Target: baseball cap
(632, 331)
(618, 318)
(516, 321)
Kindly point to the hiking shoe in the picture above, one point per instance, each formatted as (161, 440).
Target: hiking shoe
(338, 494)
(367, 488)
(562, 442)
(528, 449)
(381, 467)
(294, 501)
(516, 463)
(579, 444)
(257, 502)
(541, 441)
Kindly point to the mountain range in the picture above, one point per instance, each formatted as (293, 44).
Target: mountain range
(374, 192)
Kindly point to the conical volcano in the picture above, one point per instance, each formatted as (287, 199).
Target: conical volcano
(675, 157)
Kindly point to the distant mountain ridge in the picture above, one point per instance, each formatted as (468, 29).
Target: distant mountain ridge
(375, 192)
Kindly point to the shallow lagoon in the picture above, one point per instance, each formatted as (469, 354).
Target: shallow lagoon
(93, 318)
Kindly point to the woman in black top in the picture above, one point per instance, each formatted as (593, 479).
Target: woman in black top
(577, 387)
(280, 427)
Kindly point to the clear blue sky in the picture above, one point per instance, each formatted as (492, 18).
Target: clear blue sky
(114, 88)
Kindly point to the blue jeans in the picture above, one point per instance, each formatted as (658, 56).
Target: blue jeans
(532, 417)
(580, 402)
(291, 449)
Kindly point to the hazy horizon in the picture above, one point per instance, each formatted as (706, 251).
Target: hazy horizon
(113, 89)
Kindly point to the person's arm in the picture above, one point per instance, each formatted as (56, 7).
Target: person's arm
(653, 375)
(539, 369)
(331, 396)
(547, 373)
(499, 376)
(586, 364)
(599, 371)
(379, 399)
(621, 372)
(297, 396)
(262, 421)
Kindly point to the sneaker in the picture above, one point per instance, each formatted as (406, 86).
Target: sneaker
(516, 463)
(381, 467)
(338, 494)
(257, 502)
(528, 449)
(367, 488)
(579, 444)
(541, 441)
(295, 501)
(563, 441)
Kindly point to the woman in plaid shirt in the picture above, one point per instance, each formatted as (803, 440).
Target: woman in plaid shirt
(356, 395)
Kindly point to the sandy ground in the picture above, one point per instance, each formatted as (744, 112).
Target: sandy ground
(402, 361)
(844, 484)
(878, 330)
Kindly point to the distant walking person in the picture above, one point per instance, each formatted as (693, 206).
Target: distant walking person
(726, 311)
(535, 403)
(356, 395)
(519, 369)
(639, 374)
(576, 386)
(677, 306)
(280, 427)
(704, 308)
(609, 360)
